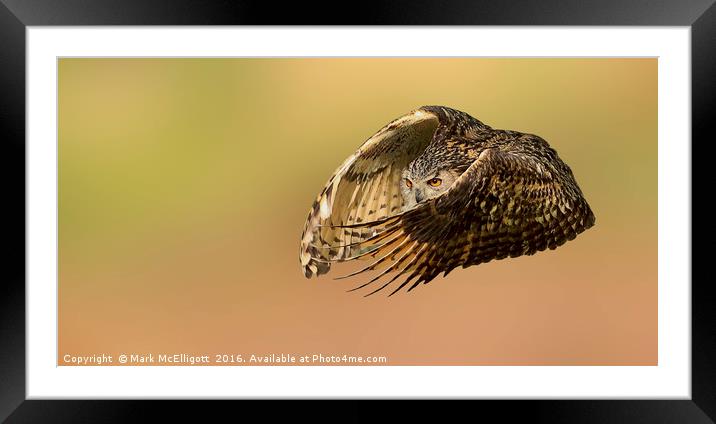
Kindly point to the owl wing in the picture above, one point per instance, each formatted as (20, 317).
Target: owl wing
(507, 203)
(364, 188)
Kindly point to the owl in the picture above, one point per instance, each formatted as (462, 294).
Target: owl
(437, 189)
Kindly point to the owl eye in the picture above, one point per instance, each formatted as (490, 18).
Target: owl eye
(408, 183)
(435, 182)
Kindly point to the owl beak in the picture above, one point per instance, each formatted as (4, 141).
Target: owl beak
(418, 196)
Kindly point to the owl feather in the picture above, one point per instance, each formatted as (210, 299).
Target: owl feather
(514, 197)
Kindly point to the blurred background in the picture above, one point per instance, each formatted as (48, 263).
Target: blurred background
(184, 185)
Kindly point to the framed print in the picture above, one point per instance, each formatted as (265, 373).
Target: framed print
(497, 209)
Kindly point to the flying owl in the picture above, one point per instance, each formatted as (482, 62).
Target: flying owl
(437, 189)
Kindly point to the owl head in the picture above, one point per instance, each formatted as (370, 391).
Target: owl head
(423, 180)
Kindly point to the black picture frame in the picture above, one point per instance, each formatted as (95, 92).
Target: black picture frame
(16, 15)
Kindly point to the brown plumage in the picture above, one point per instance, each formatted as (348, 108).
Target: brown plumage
(511, 195)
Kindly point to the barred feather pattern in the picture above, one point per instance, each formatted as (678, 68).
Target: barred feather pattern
(516, 197)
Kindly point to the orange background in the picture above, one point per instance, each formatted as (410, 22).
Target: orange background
(184, 185)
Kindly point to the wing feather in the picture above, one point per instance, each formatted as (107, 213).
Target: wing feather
(508, 203)
(372, 175)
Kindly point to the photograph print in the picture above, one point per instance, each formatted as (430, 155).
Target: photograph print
(357, 211)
